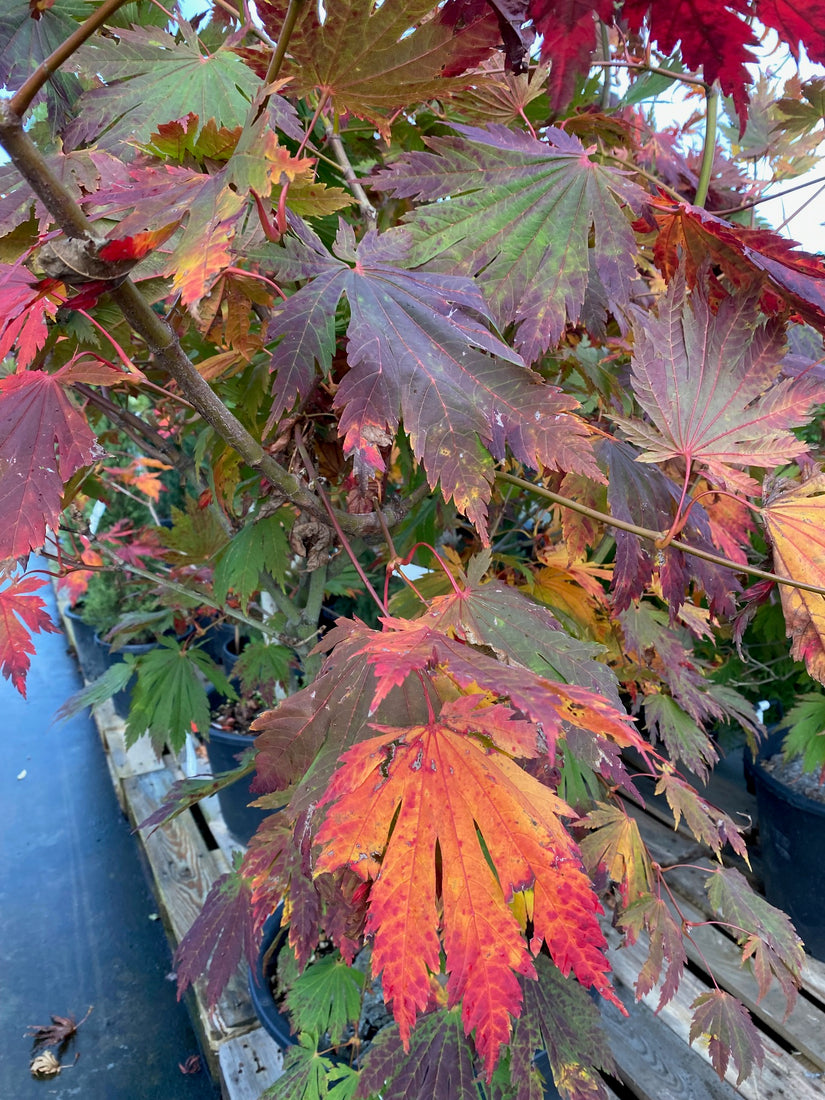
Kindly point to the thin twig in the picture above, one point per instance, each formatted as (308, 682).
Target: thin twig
(641, 66)
(767, 198)
(368, 211)
(657, 536)
(20, 102)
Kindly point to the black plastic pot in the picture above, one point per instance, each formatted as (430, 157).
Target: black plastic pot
(792, 839)
(276, 1024)
(122, 699)
(88, 652)
(223, 748)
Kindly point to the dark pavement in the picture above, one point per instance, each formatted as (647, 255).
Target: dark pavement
(76, 909)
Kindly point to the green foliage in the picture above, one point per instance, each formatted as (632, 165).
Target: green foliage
(170, 698)
(327, 301)
(260, 546)
(806, 731)
(326, 998)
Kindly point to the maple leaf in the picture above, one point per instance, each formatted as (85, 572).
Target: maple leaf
(27, 38)
(188, 792)
(521, 632)
(764, 932)
(730, 1032)
(370, 59)
(21, 615)
(616, 842)
(793, 518)
(440, 1061)
(682, 735)
(308, 731)
(44, 440)
(404, 647)
(522, 211)
(417, 351)
(568, 33)
(560, 1018)
(221, 935)
(151, 78)
(667, 949)
(437, 786)
(259, 547)
(58, 1032)
(707, 381)
(24, 306)
(708, 824)
(326, 998)
(795, 23)
(308, 1075)
(691, 237)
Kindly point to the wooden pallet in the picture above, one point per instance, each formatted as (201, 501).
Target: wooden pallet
(653, 1058)
(184, 858)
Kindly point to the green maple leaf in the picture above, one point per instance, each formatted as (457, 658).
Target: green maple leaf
(522, 211)
(708, 383)
(309, 1075)
(27, 38)
(684, 737)
(169, 697)
(151, 78)
(259, 547)
(418, 349)
(326, 997)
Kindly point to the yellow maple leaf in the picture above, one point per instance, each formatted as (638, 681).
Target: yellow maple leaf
(795, 523)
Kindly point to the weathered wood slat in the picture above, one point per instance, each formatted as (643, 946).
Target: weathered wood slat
(184, 870)
(652, 1062)
(782, 1076)
(249, 1064)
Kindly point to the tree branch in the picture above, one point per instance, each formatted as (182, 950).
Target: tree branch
(656, 536)
(164, 344)
(20, 102)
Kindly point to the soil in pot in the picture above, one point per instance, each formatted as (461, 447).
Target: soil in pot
(267, 1000)
(791, 814)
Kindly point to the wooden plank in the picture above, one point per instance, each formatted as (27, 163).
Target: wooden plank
(184, 870)
(803, 1028)
(652, 1062)
(136, 760)
(782, 1077)
(689, 883)
(249, 1064)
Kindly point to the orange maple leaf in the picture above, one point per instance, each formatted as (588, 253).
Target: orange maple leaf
(447, 827)
(795, 522)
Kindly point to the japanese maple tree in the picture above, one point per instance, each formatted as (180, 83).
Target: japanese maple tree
(357, 285)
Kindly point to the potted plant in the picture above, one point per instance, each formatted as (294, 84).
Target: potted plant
(790, 797)
(384, 285)
(343, 1013)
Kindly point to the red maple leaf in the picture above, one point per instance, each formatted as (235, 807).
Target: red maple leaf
(43, 441)
(691, 236)
(418, 349)
(23, 310)
(21, 615)
(399, 796)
